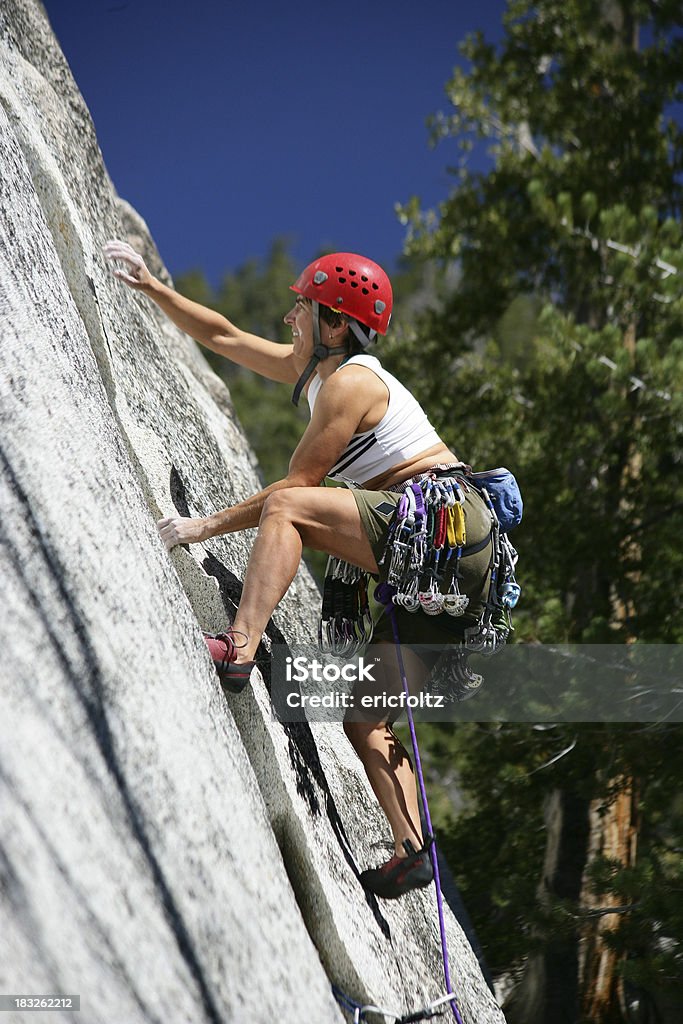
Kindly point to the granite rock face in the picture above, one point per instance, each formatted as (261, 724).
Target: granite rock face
(165, 853)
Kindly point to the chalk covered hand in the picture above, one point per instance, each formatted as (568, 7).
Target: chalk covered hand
(181, 530)
(135, 273)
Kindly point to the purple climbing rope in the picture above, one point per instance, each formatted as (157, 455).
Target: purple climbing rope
(384, 593)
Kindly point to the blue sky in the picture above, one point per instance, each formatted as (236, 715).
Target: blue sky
(227, 123)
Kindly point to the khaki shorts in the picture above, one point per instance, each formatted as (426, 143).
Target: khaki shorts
(376, 509)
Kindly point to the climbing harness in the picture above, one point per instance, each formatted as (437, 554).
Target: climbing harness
(426, 543)
(386, 593)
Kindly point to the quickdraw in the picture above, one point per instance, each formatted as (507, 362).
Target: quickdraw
(345, 626)
(492, 630)
(426, 543)
(427, 532)
(455, 603)
(425, 546)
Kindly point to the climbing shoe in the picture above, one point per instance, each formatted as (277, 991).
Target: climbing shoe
(223, 650)
(400, 874)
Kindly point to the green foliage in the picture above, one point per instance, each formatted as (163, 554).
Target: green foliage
(496, 845)
(574, 118)
(560, 348)
(257, 296)
(556, 347)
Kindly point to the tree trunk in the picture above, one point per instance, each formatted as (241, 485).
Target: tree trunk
(549, 990)
(613, 825)
(613, 834)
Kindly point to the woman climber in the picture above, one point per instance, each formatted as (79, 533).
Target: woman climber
(366, 430)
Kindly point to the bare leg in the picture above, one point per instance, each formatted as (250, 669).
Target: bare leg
(390, 774)
(324, 519)
(327, 520)
(385, 759)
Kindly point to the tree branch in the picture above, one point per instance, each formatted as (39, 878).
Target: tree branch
(584, 912)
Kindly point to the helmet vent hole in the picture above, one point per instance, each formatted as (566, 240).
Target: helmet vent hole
(352, 273)
(339, 269)
(375, 286)
(363, 277)
(366, 291)
(354, 284)
(342, 280)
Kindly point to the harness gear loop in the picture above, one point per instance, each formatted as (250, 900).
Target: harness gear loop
(426, 542)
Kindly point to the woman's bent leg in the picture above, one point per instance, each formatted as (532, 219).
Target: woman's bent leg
(326, 519)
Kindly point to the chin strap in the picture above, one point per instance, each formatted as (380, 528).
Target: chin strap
(320, 352)
(364, 339)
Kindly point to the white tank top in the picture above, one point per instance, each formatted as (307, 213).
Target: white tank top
(403, 431)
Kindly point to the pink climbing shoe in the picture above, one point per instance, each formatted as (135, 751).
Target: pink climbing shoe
(223, 650)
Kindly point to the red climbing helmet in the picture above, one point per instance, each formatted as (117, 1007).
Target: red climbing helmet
(351, 284)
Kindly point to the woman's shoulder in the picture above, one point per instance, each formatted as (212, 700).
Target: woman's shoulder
(364, 362)
(362, 371)
(362, 359)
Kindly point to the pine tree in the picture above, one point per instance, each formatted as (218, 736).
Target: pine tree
(559, 351)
